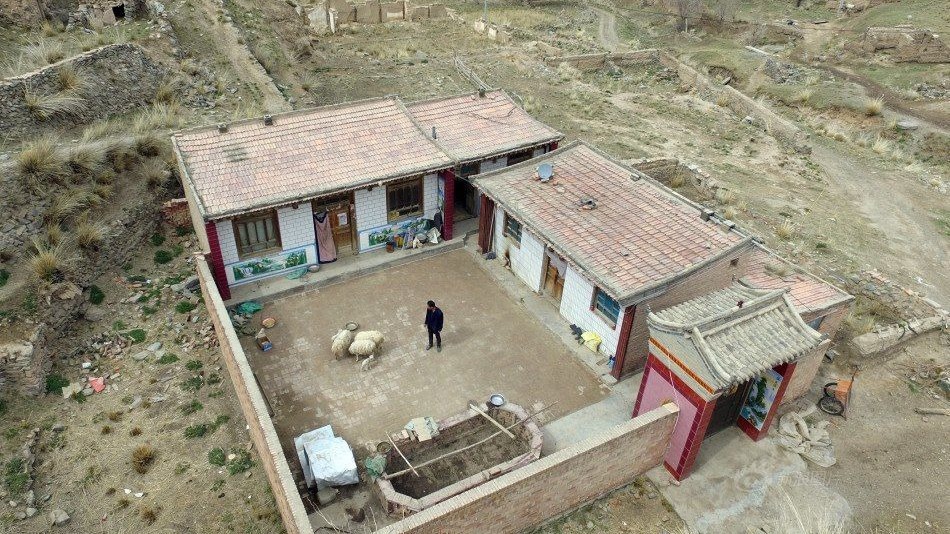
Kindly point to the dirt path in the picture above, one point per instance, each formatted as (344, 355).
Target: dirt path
(246, 67)
(607, 30)
(898, 206)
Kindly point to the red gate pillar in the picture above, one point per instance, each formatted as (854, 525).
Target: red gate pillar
(448, 208)
(214, 260)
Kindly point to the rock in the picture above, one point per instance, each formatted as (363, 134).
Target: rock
(155, 399)
(30, 512)
(748, 119)
(326, 496)
(907, 125)
(30, 498)
(21, 516)
(154, 347)
(93, 315)
(58, 427)
(58, 517)
(141, 355)
(136, 402)
(88, 391)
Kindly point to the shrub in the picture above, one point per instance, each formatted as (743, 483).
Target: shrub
(148, 514)
(185, 306)
(196, 431)
(106, 430)
(50, 263)
(193, 384)
(15, 477)
(96, 296)
(137, 335)
(192, 407)
(55, 384)
(143, 457)
(873, 106)
(163, 256)
(136, 431)
(194, 365)
(39, 163)
(241, 462)
(115, 416)
(4, 277)
(217, 457)
(182, 231)
(167, 358)
(157, 239)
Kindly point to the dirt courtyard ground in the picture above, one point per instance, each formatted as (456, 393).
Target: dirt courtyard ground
(491, 345)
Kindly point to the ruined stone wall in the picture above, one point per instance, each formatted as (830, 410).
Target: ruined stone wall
(22, 12)
(24, 364)
(328, 15)
(554, 484)
(907, 45)
(116, 79)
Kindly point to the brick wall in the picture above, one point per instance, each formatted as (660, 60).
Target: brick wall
(808, 366)
(552, 485)
(527, 259)
(575, 307)
(263, 433)
(718, 275)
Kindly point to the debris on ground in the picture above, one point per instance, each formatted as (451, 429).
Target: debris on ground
(810, 440)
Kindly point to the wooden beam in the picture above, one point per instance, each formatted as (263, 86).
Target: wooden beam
(492, 419)
(401, 454)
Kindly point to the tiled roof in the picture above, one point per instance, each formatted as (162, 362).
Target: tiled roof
(473, 127)
(725, 344)
(640, 234)
(809, 293)
(304, 154)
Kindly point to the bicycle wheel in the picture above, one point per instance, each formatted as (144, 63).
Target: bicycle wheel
(830, 392)
(831, 406)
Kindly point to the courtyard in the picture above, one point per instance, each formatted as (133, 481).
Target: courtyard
(491, 344)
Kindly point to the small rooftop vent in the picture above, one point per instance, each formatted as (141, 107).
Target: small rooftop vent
(435, 135)
(268, 120)
(545, 172)
(706, 214)
(222, 127)
(588, 203)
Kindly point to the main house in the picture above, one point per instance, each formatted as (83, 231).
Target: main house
(259, 189)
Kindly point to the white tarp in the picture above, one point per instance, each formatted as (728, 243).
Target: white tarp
(809, 440)
(301, 441)
(331, 462)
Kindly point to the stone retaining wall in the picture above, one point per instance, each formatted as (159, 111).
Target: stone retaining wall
(116, 79)
(329, 14)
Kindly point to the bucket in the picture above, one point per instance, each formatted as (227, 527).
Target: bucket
(497, 400)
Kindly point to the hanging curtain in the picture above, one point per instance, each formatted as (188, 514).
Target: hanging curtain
(326, 248)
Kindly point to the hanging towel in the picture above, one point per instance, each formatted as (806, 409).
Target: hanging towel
(326, 248)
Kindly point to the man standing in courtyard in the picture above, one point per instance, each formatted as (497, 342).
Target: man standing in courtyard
(434, 325)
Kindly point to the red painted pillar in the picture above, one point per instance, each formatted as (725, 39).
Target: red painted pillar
(697, 434)
(448, 209)
(486, 216)
(215, 262)
(552, 146)
(624, 339)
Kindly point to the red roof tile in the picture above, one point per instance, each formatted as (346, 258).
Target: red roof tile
(472, 127)
(639, 235)
(809, 293)
(304, 154)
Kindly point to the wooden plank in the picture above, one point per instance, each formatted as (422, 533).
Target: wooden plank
(492, 419)
(401, 454)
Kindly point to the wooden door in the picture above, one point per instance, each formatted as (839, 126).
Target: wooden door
(341, 222)
(726, 411)
(553, 282)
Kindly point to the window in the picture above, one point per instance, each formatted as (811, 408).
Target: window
(469, 169)
(518, 157)
(404, 199)
(512, 229)
(257, 233)
(816, 322)
(606, 307)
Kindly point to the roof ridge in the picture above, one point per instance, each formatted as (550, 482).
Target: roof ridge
(439, 146)
(457, 95)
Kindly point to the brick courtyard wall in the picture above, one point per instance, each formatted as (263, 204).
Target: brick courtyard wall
(717, 275)
(263, 433)
(552, 485)
(808, 366)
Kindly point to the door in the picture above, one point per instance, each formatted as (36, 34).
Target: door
(553, 277)
(726, 411)
(341, 221)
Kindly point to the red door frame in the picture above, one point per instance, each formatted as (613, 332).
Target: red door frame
(620, 355)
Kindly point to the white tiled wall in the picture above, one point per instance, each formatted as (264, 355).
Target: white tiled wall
(430, 195)
(296, 226)
(527, 260)
(492, 164)
(371, 205)
(296, 230)
(575, 307)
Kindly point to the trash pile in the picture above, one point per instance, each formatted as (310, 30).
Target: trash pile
(810, 440)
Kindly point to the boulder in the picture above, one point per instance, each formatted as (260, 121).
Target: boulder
(58, 517)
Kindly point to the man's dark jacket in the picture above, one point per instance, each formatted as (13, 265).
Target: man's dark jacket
(434, 319)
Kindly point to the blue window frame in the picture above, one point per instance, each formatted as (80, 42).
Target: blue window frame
(606, 307)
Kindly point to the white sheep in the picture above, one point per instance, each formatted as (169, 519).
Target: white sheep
(362, 347)
(341, 341)
(368, 363)
(373, 335)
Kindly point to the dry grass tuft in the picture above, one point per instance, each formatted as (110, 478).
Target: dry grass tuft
(874, 106)
(50, 263)
(45, 107)
(882, 146)
(68, 79)
(730, 213)
(89, 236)
(149, 145)
(148, 514)
(678, 180)
(154, 173)
(40, 163)
(725, 197)
(143, 457)
(804, 96)
(136, 431)
(786, 230)
(123, 157)
(85, 160)
(722, 100)
(65, 205)
(166, 93)
(159, 116)
(44, 52)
